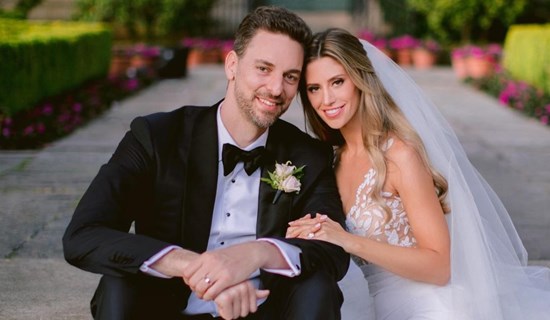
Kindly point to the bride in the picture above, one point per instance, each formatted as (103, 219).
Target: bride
(429, 234)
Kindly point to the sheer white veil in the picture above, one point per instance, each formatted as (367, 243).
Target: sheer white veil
(490, 278)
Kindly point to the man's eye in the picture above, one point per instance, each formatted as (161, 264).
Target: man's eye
(292, 78)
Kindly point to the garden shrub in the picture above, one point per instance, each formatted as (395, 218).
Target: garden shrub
(527, 57)
(43, 59)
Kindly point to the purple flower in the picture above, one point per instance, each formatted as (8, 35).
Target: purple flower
(28, 130)
(146, 51)
(366, 35)
(227, 45)
(131, 84)
(430, 45)
(380, 43)
(77, 107)
(6, 132)
(544, 119)
(494, 49)
(458, 53)
(40, 128)
(403, 42)
(477, 52)
(47, 109)
(64, 117)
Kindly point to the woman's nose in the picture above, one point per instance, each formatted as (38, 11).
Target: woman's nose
(328, 98)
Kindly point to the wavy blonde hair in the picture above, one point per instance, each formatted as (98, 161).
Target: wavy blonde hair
(379, 114)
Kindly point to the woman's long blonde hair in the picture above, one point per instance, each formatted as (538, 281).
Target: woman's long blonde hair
(379, 114)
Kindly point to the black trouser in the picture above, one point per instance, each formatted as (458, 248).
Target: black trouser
(314, 297)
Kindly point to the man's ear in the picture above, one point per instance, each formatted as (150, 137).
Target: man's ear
(231, 62)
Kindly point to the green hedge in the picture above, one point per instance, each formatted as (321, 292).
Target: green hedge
(527, 54)
(42, 59)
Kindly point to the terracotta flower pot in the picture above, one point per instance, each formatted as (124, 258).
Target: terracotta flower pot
(202, 56)
(478, 67)
(423, 58)
(404, 57)
(119, 65)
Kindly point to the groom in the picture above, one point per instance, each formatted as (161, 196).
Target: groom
(209, 234)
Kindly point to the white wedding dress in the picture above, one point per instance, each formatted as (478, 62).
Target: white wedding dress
(490, 278)
(394, 297)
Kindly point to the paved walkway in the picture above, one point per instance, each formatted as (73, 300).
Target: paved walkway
(40, 189)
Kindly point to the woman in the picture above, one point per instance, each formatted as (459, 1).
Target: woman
(431, 237)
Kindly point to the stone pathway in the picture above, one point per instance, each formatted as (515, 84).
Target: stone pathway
(40, 189)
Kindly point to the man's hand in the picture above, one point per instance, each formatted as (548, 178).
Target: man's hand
(174, 262)
(214, 271)
(239, 300)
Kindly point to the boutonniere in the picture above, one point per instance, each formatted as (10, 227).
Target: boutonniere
(285, 178)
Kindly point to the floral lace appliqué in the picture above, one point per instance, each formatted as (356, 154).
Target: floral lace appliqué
(367, 218)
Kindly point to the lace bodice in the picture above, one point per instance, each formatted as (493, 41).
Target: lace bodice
(368, 219)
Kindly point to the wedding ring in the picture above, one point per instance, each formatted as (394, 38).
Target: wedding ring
(207, 280)
(310, 235)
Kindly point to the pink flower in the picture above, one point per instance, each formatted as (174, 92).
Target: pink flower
(28, 130)
(47, 109)
(366, 35)
(40, 128)
(458, 53)
(403, 42)
(77, 107)
(380, 43)
(131, 84)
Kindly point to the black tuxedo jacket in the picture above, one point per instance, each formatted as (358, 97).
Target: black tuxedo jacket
(162, 177)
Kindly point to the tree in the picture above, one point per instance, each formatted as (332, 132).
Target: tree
(451, 19)
(149, 18)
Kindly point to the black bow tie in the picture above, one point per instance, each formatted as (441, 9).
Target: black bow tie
(231, 155)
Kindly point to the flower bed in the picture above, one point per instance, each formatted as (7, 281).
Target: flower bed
(58, 116)
(515, 94)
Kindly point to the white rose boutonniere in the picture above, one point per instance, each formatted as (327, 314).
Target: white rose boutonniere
(285, 178)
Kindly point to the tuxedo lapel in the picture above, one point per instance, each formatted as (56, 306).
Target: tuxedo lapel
(201, 181)
(273, 217)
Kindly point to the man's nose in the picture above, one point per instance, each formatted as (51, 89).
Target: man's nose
(275, 85)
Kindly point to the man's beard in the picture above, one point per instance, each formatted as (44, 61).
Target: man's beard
(261, 119)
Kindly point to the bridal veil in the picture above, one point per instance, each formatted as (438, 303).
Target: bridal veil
(490, 278)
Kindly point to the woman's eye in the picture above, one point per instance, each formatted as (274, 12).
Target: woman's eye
(312, 89)
(338, 82)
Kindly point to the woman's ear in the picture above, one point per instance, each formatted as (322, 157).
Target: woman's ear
(231, 62)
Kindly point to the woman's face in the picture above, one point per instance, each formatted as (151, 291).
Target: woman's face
(331, 92)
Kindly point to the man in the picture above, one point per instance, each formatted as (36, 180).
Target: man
(209, 235)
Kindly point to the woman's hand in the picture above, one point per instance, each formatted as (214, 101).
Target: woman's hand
(331, 231)
(304, 227)
(320, 228)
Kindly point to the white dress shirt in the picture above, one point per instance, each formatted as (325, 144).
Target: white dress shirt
(234, 219)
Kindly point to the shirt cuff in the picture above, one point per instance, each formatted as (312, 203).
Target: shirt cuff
(146, 266)
(290, 253)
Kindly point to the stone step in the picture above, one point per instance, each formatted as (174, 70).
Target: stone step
(53, 10)
(8, 4)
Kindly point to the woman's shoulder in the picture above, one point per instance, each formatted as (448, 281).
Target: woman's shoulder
(397, 149)
(401, 154)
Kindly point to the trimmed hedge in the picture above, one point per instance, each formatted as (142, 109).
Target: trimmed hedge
(43, 59)
(527, 55)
